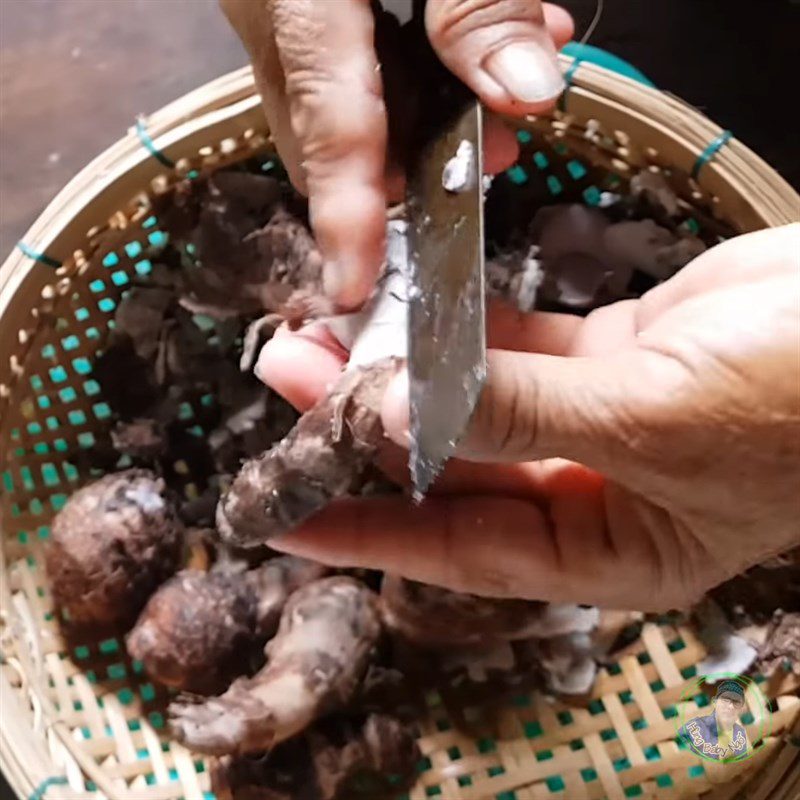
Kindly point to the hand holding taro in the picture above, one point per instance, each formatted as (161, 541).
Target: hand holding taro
(635, 457)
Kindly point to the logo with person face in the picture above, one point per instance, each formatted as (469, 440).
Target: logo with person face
(721, 735)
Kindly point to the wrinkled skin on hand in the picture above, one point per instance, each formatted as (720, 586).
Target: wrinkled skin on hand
(634, 458)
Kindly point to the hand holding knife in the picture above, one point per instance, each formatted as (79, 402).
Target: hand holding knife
(444, 200)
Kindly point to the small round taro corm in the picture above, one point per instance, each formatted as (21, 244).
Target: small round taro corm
(197, 631)
(114, 542)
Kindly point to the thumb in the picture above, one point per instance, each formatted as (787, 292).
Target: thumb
(503, 50)
(606, 412)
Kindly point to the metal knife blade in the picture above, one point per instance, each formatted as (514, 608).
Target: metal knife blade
(447, 329)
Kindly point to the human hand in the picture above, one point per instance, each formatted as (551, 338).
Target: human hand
(316, 69)
(679, 414)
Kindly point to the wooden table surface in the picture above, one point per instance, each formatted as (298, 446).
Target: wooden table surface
(74, 74)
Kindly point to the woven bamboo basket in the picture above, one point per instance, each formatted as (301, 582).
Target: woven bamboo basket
(85, 722)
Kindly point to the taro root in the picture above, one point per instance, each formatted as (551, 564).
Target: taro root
(320, 459)
(376, 759)
(781, 650)
(273, 582)
(114, 542)
(337, 759)
(327, 636)
(196, 632)
(202, 629)
(331, 447)
(282, 773)
(470, 635)
(438, 618)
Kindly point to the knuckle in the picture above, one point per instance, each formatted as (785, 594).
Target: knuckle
(329, 131)
(299, 31)
(450, 21)
(457, 568)
(456, 576)
(508, 419)
(334, 91)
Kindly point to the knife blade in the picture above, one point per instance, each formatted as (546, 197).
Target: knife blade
(447, 328)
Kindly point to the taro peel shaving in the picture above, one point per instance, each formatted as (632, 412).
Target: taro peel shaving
(326, 639)
(459, 172)
(253, 253)
(579, 257)
(568, 663)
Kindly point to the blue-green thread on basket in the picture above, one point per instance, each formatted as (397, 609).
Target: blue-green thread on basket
(144, 138)
(568, 76)
(582, 52)
(39, 792)
(42, 258)
(708, 154)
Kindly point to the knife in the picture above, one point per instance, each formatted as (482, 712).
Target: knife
(446, 330)
(444, 203)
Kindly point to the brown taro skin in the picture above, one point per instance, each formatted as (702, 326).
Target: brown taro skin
(319, 460)
(326, 640)
(436, 618)
(364, 757)
(114, 542)
(338, 758)
(201, 630)
(197, 632)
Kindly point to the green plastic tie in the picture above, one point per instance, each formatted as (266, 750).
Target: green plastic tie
(42, 258)
(39, 792)
(708, 154)
(144, 138)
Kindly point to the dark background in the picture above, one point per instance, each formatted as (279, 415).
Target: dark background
(75, 73)
(735, 60)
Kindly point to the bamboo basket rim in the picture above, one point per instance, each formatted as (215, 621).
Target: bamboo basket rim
(227, 107)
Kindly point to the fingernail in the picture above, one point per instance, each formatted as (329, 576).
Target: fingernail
(394, 410)
(527, 70)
